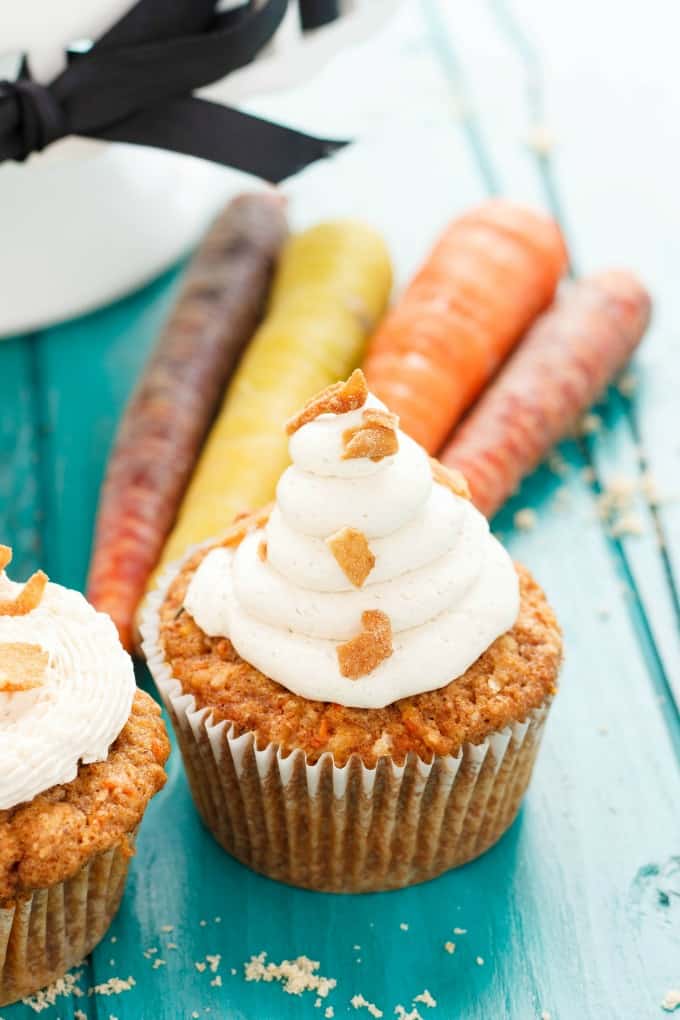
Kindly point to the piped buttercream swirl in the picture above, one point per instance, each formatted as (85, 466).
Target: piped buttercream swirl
(446, 585)
(79, 706)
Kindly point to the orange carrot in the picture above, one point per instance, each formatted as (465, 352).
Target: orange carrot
(560, 368)
(166, 421)
(491, 272)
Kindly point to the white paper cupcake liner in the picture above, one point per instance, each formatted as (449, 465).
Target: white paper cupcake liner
(44, 935)
(350, 828)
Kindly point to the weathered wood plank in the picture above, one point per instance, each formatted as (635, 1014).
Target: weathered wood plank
(614, 217)
(90, 366)
(565, 912)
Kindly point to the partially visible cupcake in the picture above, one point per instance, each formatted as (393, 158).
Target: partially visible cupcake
(81, 755)
(358, 677)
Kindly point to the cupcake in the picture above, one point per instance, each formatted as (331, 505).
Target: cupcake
(81, 754)
(358, 676)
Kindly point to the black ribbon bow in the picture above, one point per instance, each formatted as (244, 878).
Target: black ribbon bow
(135, 85)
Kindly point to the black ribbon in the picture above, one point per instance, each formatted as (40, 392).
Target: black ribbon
(135, 85)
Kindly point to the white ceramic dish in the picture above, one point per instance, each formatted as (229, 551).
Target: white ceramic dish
(86, 222)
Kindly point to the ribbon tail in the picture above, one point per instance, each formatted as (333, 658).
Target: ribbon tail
(198, 127)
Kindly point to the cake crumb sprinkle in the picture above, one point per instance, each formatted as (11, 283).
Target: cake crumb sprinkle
(404, 1014)
(213, 961)
(114, 986)
(590, 424)
(627, 384)
(525, 519)
(359, 1002)
(295, 976)
(63, 986)
(671, 1000)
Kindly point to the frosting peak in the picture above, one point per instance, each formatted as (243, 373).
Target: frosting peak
(372, 580)
(66, 685)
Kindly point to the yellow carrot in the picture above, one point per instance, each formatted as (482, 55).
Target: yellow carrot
(332, 285)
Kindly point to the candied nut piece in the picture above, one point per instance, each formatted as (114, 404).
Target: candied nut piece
(451, 478)
(363, 653)
(339, 398)
(244, 524)
(375, 438)
(353, 554)
(30, 595)
(22, 666)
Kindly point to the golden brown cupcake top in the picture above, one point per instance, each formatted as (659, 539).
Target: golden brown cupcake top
(48, 839)
(374, 578)
(516, 674)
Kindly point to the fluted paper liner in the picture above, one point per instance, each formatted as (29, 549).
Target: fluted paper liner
(44, 935)
(350, 828)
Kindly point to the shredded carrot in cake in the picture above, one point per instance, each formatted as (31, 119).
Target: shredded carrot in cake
(339, 398)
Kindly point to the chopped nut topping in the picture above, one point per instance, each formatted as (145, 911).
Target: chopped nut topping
(22, 666)
(363, 653)
(30, 595)
(336, 399)
(375, 438)
(243, 525)
(451, 478)
(353, 554)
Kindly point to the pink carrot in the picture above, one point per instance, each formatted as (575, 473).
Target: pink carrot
(560, 368)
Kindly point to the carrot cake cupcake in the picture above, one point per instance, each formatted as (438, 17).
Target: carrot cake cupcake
(81, 754)
(358, 676)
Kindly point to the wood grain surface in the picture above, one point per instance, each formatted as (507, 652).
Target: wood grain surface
(576, 913)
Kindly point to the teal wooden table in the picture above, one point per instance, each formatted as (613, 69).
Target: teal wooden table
(576, 913)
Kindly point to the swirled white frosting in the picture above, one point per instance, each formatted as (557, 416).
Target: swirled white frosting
(447, 586)
(80, 707)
